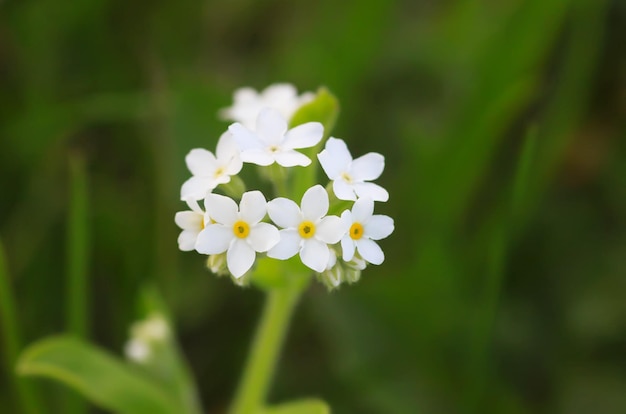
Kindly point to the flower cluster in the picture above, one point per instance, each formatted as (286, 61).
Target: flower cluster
(335, 247)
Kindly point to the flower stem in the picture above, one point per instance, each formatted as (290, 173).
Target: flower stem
(265, 350)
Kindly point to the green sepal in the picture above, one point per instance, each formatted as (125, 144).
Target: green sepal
(99, 376)
(307, 406)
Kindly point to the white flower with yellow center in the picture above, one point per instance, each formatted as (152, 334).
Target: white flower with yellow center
(192, 223)
(350, 176)
(282, 97)
(210, 170)
(237, 231)
(273, 142)
(363, 229)
(306, 230)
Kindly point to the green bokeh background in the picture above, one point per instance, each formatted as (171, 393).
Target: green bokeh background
(502, 124)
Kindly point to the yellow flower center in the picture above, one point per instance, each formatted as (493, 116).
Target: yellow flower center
(306, 229)
(356, 231)
(241, 229)
(346, 177)
(219, 172)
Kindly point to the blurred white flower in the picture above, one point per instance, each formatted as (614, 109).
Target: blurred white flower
(192, 223)
(210, 171)
(145, 335)
(306, 230)
(350, 176)
(237, 231)
(364, 228)
(272, 142)
(248, 103)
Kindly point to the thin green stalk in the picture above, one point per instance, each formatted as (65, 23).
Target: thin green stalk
(28, 400)
(261, 364)
(77, 250)
(76, 311)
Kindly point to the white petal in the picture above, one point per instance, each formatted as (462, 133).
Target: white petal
(196, 188)
(335, 158)
(330, 230)
(245, 138)
(263, 236)
(368, 167)
(279, 92)
(291, 158)
(189, 220)
(240, 257)
(271, 127)
(233, 165)
(362, 210)
(378, 227)
(200, 162)
(314, 203)
(252, 207)
(187, 240)
(222, 209)
(260, 157)
(193, 205)
(284, 212)
(214, 239)
(226, 146)
(370, 251)
(343, 190)
(314, 254)
(371, 190)
(347, 247)
(304, 136)
(288, 245)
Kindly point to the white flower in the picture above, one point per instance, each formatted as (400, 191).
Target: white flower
(349, 176)
(210, 171)
(237, 231)
(364, 228)
(192, 223)
(282, 97)
(144, 336)
(305, 230)
(272, 142)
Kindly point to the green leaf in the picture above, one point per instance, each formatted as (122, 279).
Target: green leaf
(96, 374)
(324, 109)
(308, 406)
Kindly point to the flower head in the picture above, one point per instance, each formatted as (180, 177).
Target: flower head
(306, 229)
(209, 170)
(145, 336)
(192, 223)
(237, 231)
(272, 142)
(363, 229)
(350, 176)
(282, 97)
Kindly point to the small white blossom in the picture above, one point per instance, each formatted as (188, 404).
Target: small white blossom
(306, 230)
(210, 170)
(145, 335)
(192, 223)
(272, 142)
(237, 231)
(350, 176)
(282, 97)
(364, 228)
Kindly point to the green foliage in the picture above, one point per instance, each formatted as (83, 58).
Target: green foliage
(309, 406)
(97, 375)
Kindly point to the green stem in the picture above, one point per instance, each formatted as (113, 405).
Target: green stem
(259, 371)
(28, 400)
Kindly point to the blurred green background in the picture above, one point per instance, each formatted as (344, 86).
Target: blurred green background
(503, 126)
